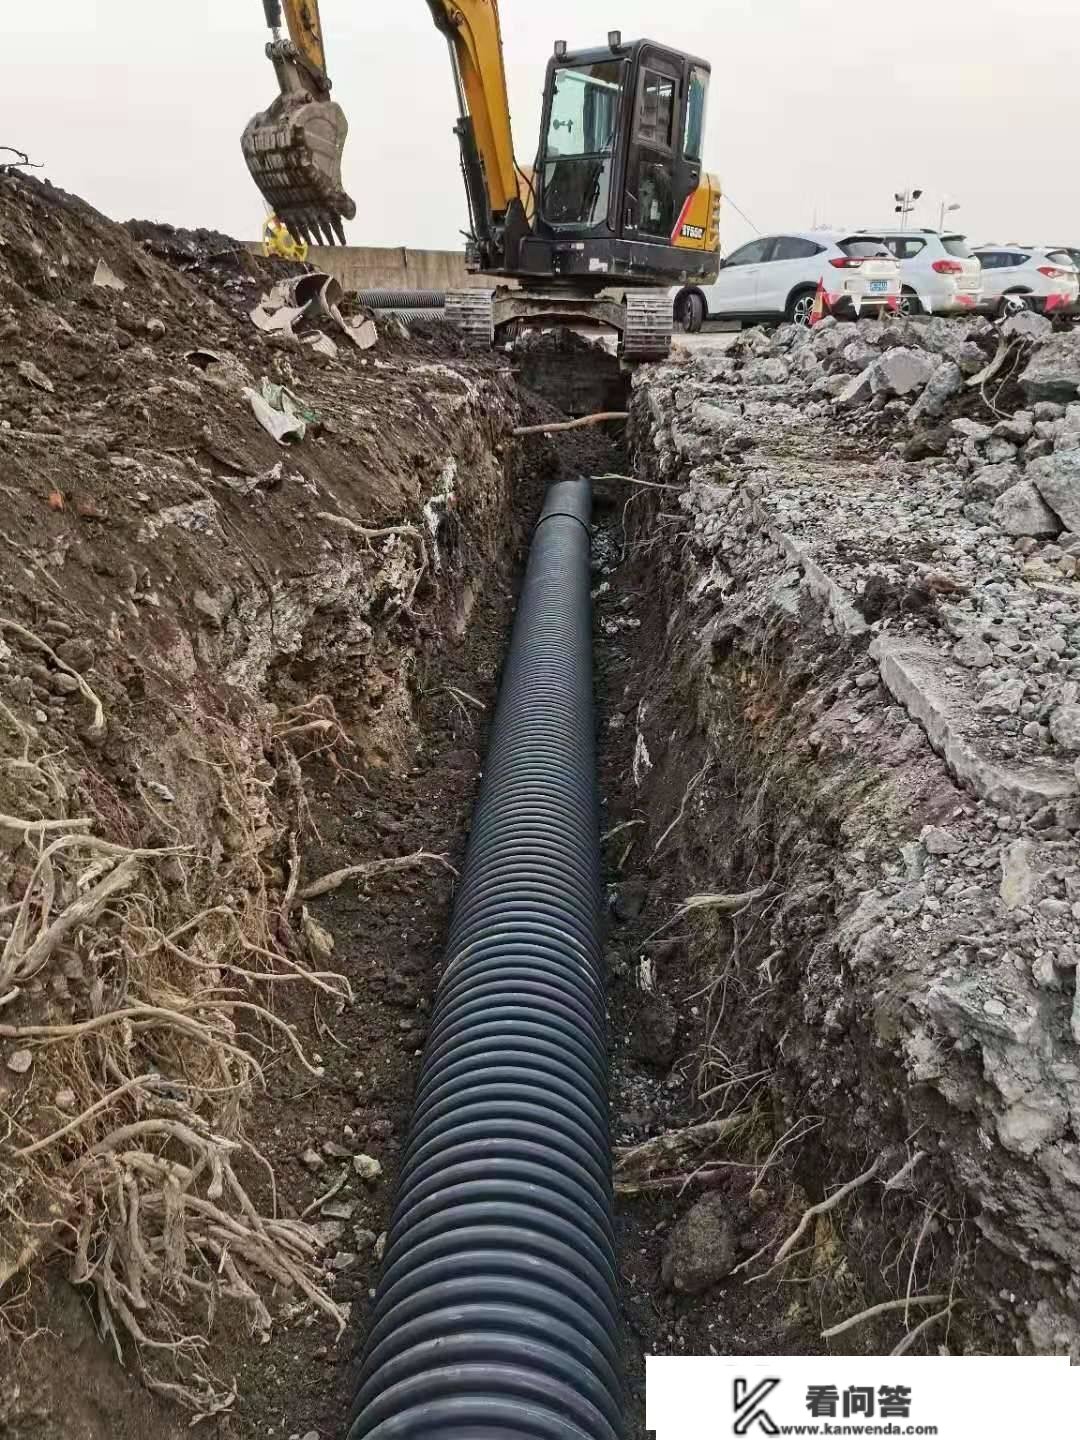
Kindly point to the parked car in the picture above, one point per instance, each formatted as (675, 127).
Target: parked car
(1073, 252)
(1027, 277)
(939, 272)
(777, 278)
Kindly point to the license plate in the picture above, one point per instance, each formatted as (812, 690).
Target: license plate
(879, 287)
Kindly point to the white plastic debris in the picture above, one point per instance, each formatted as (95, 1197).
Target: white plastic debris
(107, 278)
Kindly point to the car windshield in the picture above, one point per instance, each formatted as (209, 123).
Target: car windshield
(863, 248)
(958, 246)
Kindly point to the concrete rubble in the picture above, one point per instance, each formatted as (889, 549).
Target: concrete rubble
(901, 501)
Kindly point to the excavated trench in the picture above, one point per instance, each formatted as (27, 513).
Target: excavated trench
(311, 646)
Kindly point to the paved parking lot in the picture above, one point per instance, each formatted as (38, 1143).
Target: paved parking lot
(706, 340)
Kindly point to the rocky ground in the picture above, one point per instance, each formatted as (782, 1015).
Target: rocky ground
(881, 652)
(256, 582)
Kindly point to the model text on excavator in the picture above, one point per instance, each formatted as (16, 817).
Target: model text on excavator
(617, 209)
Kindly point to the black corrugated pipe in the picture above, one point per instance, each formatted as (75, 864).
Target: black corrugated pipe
(412, 317)
(497, 1311)
(402, 299)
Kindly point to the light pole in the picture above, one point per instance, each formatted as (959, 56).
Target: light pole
(947, 209)
(905, 204)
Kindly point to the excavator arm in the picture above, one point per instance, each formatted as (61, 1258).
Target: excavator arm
(293, 149)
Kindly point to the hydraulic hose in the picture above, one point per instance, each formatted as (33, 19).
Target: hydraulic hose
(496, 1316)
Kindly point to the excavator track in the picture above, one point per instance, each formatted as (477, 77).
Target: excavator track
(648, 327)
(472, 314)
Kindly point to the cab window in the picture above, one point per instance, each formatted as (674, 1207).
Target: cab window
(696, 102)
(656, 109)
(580, 144)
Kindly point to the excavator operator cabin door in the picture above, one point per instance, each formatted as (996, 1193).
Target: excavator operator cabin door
(664, 153)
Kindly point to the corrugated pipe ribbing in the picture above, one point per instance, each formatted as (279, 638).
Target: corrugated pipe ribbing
(402, 299)
(497, 1312)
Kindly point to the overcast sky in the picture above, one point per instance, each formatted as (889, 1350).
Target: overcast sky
(819, 110)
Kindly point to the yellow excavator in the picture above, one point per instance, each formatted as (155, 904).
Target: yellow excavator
(616, 210)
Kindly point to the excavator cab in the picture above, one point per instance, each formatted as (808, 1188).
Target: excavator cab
(619, 188)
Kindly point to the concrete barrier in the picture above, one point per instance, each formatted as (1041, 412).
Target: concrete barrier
(372, 267)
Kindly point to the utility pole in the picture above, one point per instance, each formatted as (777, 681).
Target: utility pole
(947, 209)
(905, 204)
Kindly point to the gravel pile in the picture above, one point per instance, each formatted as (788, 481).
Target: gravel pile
(901, 501)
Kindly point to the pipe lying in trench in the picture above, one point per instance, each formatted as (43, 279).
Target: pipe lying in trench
(496, 1315)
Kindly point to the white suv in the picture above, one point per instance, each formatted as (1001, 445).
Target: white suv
(778, 276)
(1027, 277)
(939, 273)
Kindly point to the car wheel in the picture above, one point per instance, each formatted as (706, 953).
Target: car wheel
(910, 304)
(689, 312)
(800, 310)
(1015, 304)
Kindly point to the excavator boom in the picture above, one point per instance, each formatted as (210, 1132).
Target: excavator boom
(294, 147)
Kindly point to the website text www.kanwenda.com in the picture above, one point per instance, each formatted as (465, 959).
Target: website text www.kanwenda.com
(856, 1429)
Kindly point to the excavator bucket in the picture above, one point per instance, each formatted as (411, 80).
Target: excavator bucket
(293, 150)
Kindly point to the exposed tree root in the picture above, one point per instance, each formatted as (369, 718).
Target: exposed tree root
(141, 1181)
(885, 1308)
(369, 870)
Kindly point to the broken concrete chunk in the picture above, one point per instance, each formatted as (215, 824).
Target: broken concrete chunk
(20, 1061)
(767, 372)
(367, 1167)
(857, 389)
(946, 381)
(1027, 326)
(1053, 372)
(1021, 510)
(1019, 878)
(1065, 727)
(940, 842)
(973, 652)
(1057, 479)
(33, 376)
(902, 372)
(991, 481)
(1017, 428)
(1004, 699)
(971, 430)
(1030, 1124)
(319, 939)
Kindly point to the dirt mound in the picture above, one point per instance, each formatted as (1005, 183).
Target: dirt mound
(203, 632)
